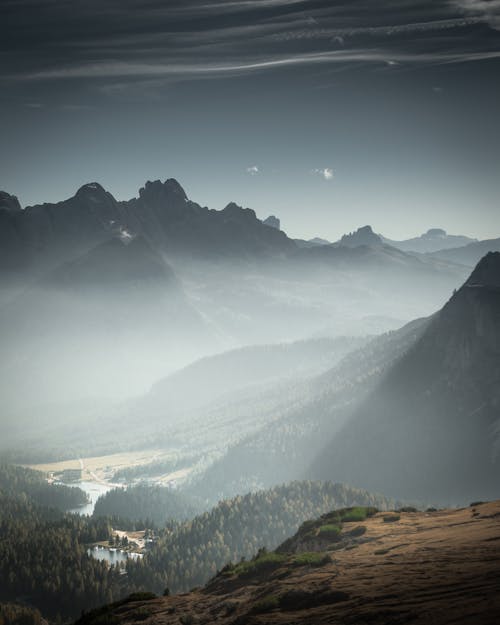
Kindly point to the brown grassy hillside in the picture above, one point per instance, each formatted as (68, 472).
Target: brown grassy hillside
(407, 567)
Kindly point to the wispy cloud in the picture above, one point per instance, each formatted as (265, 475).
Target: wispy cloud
(489, 10)
(326, 173)
(253, 170)
(246, 4)
(387, 30)
(139, 70)
(109, 39)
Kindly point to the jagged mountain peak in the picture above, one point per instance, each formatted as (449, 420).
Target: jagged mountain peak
(362, 236)
(234, 210)
(9, 202)
(431, 241)
(486, 272)
(91, 189)
(158, 189)
(232, 207)
(172, 185)
(273, 222)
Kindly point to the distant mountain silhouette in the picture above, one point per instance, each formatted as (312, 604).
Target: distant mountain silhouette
(47, 234)
(250, 282)
(315, 242)
(173, 280)
(13, 256)
(469, 254)
(44, 235)
(225, 381)
(272, 221)
(364, 250)
(431, 429)
(433, 240)
(176, 225)
(362, 236)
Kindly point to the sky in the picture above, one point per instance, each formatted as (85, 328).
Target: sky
(328, 114)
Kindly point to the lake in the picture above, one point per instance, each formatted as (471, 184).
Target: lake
(113, 556)
(93, 491)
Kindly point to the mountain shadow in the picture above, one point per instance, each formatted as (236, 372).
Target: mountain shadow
(430, 430)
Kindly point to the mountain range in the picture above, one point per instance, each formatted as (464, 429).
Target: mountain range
(103, 299)
(470, 254)
(94, 325)
(240, 361)
(45, 234)
(93, 280)
(435, 243)
(434, 240)
(421, 403)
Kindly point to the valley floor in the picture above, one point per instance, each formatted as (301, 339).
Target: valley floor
(439, 567)
(101, 469)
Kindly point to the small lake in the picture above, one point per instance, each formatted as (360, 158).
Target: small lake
(113, 556)
(93, 491)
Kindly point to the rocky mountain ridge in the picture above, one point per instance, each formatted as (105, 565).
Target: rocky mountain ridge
(46, 234)
(434, 240)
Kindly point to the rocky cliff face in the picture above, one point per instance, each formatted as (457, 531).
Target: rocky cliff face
(272, 221)
(362, 236)
(44, 235)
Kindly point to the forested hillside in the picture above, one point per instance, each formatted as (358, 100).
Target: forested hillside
(189, 554)
(43, 556)
(18, 481)
(44, 553)
(299, 422)
(154, 505)
(12, 614)
(429, 429)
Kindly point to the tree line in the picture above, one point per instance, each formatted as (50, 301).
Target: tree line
(15, 480)
(188, 554)
(44, 559)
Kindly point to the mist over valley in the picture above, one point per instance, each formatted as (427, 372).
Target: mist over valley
(249, 312)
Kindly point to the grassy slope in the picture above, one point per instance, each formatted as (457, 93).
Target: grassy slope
(439, 567)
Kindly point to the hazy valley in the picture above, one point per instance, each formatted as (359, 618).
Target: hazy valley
(194, 370)
(249, 312)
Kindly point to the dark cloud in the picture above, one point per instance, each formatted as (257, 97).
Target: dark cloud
(137, 40)
(393, 104)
